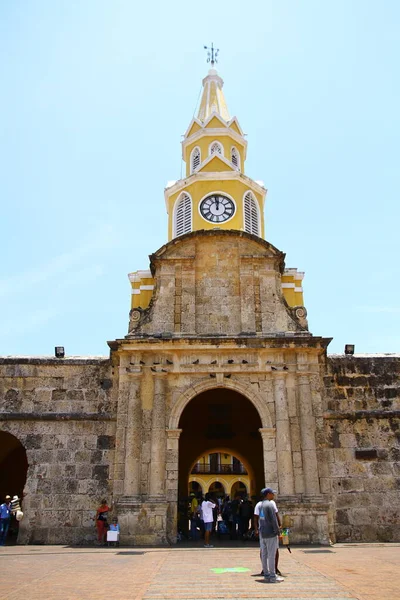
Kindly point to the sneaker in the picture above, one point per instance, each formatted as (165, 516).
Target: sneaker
(277, 580)
(206, 546)
(210, 546)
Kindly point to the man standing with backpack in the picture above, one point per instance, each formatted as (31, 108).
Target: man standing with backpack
(266, 525)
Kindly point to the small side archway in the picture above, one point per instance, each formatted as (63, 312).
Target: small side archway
(217, 489)
(238, 488)
(195, 488)
(13, 466)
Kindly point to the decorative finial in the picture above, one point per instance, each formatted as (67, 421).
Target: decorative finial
(212, 54)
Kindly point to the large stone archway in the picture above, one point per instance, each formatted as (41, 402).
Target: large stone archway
(194, 390)
(218, 415)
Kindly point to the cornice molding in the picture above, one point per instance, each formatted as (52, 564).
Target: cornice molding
(214, 132)
(221, 176)
(211, 157)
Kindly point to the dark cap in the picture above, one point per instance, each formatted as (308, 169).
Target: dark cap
(266, 491)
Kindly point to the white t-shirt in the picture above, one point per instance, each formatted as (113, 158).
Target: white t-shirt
(258, 508)
(207, 511)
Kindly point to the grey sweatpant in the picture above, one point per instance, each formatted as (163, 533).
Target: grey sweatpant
(268, 546)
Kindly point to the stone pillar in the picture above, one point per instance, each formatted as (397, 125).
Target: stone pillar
(268, 435)
(158, 440)
(172, 469)
(283, 439)
(133, 438)
(307, 434)
(129, 389)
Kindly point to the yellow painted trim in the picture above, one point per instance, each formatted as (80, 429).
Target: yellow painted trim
(195, 127)
(215, 165)
(214, 123)
(235, 128)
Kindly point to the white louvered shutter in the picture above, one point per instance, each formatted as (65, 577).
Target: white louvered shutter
(195, 159)
(183, 216)
(251, 220)
(234, 157)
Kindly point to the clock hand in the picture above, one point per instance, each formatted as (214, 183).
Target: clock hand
(217, 203)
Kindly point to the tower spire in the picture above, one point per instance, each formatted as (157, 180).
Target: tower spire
(212, 100)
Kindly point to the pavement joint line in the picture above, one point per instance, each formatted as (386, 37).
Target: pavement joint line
(142, 590)
(51, 572)
(169, 574)
(346, 587)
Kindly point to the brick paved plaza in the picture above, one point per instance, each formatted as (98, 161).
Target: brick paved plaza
(360, 571)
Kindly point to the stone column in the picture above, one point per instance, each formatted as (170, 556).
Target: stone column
(268, 435)
(283, 440)
(158, 440)
(133, 438)
(307, 434)
(127, 389)
(172, 470)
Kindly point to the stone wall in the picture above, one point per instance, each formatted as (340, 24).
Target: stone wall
(63, 412)
(360, 447)
(91, 429)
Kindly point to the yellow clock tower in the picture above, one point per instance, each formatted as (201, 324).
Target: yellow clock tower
(215, 193)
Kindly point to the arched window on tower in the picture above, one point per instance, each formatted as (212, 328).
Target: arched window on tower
(216, 148)
(251, 216)
(235, 157)
(195, 159)
(183, 215)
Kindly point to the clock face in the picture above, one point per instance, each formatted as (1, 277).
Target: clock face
(217, 208)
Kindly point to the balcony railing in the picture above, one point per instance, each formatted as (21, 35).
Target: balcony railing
(228, 469)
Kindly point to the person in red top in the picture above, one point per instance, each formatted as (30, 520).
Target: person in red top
(101, 521)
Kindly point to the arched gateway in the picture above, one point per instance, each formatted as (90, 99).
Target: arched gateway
(219, 417)
(194, 390)
(226, 414)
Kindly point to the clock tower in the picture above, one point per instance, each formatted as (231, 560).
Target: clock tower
(215, 192)
(218, 360)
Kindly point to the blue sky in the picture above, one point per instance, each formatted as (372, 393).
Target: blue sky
(95, 97)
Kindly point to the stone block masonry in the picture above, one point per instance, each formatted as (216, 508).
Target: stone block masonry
(63, 413)
(360, 447)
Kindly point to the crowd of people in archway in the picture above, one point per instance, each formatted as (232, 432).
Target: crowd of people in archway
(232, 518)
